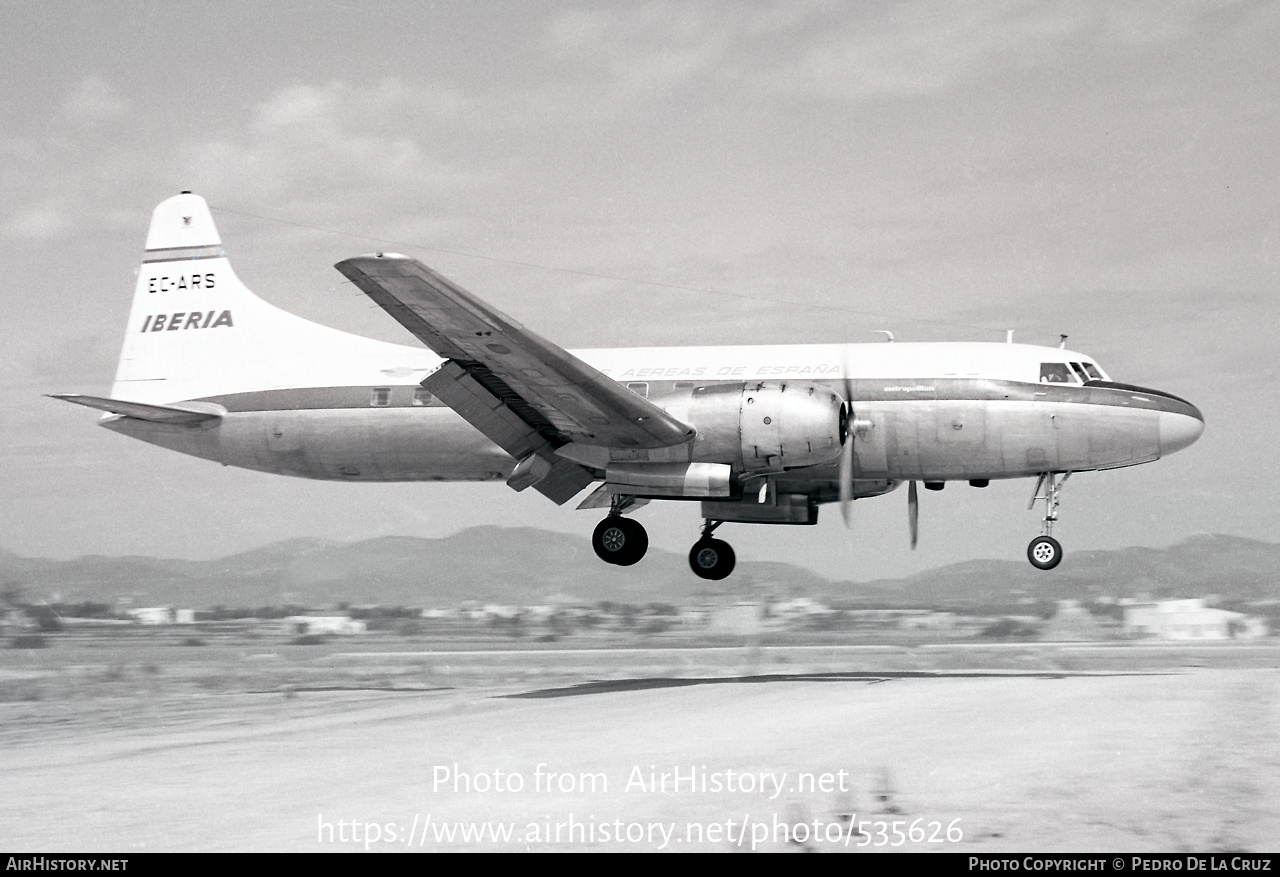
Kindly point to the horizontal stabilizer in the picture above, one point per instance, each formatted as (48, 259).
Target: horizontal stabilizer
(179, 415)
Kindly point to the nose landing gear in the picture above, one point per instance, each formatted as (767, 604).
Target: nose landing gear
(1045, 552)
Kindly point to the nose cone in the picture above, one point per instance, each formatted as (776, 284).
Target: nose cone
(1180, 428)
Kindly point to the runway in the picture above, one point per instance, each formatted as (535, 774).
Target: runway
(1186, 760)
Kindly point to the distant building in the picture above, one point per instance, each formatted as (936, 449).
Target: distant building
(741, 618)
(162, 615)
(1190, 620)
(312, 624)
(152, 615)
(798, 608)
(500, 612)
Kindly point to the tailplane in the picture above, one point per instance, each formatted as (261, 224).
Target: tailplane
(182, 415)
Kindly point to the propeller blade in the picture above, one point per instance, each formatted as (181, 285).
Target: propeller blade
(846, 451)
(846, 481)
(913, 513)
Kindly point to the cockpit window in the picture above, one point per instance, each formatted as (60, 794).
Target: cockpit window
(1092, 369)
(1079, 370)
(1055, 373)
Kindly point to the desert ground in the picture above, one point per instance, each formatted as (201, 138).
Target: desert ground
(137, 743)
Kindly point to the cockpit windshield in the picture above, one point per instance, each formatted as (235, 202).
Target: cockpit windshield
(1069, 373)
(1055, 373)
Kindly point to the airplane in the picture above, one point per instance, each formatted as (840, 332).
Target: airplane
(756, 434)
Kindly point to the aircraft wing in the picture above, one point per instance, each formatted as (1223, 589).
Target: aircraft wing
(182, 415)
(549, 389)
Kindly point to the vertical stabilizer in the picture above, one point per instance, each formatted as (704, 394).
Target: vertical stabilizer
(182, 222)
(195, 331)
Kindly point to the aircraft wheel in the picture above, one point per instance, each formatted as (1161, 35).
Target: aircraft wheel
(1044, 552)
(711, 559)
(620, 541)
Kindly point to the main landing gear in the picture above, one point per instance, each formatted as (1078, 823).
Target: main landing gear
(623, 541)
(1045, 552)
(620, 541)
(711, 558)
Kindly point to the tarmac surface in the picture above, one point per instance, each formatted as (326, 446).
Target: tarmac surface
(965, 761)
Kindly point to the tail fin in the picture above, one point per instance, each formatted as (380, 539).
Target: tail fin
(195, 331)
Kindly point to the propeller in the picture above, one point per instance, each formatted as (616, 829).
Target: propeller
(850, 429)
(846, 474)
(913, 513)
(846, 450)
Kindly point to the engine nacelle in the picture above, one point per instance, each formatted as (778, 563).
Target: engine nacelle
(768, 425)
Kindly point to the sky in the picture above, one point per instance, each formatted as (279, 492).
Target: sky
(648, 174)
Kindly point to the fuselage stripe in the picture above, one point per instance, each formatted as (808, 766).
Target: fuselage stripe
(879, 390)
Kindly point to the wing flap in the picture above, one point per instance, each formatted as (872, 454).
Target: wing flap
(453, 386)
(563, 398)
(557, 478)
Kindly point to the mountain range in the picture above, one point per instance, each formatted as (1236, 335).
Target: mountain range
(525, 566)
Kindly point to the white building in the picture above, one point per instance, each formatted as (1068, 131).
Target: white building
(313, 624)
(153, 615)
(1190, 620)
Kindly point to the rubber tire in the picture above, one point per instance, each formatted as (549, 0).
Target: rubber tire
(1044, 552)
(712, 559)
(620, 541)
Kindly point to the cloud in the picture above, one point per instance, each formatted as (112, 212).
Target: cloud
(43, 222)
(917, 48)
(336, 149)
(94, 100)
(643, 49)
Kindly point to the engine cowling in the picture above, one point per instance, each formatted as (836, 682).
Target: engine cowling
(767, 425)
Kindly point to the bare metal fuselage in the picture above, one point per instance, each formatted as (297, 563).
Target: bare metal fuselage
(945, 429)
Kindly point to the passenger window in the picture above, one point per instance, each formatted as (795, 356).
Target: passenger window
(640, 388)
(1054, 373)
(381, 397)
(421, 396)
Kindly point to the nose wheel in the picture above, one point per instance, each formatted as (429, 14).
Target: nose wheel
(1045, 552)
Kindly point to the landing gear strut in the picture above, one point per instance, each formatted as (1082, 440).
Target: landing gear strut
(711, 558)
(618, 540)
(1045, 552)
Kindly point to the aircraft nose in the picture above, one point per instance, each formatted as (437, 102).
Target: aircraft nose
(1180, 428)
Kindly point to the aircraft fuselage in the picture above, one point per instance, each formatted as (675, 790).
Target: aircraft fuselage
(925, 428)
